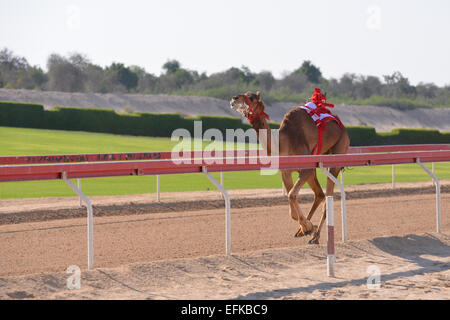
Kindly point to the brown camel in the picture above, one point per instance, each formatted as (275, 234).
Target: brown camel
(298, 135)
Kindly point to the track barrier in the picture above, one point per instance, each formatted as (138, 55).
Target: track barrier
(65, 167)
(330, 238)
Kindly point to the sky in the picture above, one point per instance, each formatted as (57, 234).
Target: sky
(369, 37)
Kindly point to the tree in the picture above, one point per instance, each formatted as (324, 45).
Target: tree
(171, 66)
(398, 85)
(63, 75)
(369, 86)
(311, 72)
(38, 77)
(96, 79)
(183, 77)
(124, 75)
(247, 75)
(295, 82)
(346, 85)
(427, 90)
(13, 70)
(265, 79)
(146, 81)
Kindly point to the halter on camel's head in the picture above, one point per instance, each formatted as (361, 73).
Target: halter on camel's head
(250, 106)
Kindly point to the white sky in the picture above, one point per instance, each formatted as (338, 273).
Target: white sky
(372, 37)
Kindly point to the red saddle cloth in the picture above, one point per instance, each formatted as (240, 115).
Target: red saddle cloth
(317, 109)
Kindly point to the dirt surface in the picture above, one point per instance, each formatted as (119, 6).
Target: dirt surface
(42, 209)
(135, 248)
(410, 267)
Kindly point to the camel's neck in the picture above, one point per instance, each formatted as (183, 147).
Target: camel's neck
(264, 139)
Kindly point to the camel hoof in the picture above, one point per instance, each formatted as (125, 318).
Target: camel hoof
(313, 241)
(301, 233)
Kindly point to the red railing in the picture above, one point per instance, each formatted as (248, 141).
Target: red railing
(167, 155)
(154, 167)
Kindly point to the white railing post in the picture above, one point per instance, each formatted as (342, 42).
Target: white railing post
(158, 190)
(90, 220)
(393, 176)
(432, 170)
(221, 182)
(438, 194)
(343, 211)
(330, 239)
(79, 187)
(227, 210)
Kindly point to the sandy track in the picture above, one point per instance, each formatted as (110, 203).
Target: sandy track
(42, 209)
(198, 237)
(411, 267)
(54, 245)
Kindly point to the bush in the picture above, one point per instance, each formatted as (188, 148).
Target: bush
(415, 136)
(363, 136)
(30, 115)
(15, 114)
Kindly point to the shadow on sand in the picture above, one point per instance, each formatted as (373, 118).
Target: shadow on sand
(410, 248)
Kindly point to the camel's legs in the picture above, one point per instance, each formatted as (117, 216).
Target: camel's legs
(305, 225)
(286, 176)
(318, 198)
(318, 194)
(329, 192)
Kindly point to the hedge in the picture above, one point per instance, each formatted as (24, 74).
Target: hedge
(28, 115)
(31, 115)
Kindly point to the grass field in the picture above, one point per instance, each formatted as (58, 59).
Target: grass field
(19, 141)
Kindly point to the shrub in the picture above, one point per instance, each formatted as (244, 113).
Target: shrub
(31, 115)
(27, 115)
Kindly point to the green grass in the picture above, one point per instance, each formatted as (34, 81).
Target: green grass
(19, 141)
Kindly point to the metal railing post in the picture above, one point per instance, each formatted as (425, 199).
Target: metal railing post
(393, 176)
(90, 220)
(433, 170)
(227, 210)
(343, 213)
(438, 194)
(158, 190)
(221, 182)
(79, 187)
(330, 238)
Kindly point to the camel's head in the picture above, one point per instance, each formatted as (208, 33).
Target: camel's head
(249, 105)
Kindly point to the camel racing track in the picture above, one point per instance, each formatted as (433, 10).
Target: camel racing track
(379, 241)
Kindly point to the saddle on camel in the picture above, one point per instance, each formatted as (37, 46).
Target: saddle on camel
(305, 130)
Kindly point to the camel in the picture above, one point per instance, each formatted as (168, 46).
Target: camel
(298, 135)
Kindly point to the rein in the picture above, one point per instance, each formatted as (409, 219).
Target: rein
(251, 116)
